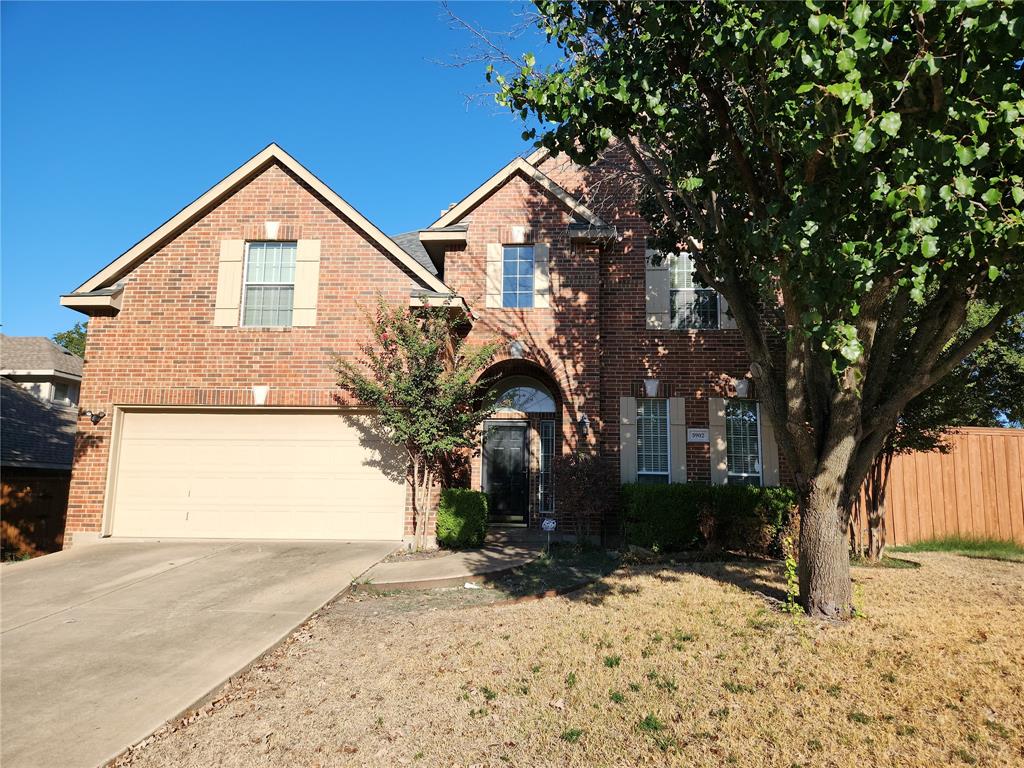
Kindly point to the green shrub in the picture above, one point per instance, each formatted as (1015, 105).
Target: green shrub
(681, 516)
(461, 518)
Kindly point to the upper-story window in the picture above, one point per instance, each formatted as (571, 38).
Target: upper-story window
(517, 276)
(691, 305)
(268, 290)
(743, 442)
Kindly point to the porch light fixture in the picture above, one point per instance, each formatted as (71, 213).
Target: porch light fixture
(651, 387)
(95, 418)
(583, 426)
(259, 394)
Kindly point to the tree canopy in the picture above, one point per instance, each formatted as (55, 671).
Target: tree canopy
(843, 163)
(73, 339)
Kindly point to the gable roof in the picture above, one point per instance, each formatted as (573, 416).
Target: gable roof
(37, 353)
(131, 258)
(34, 433)
(525, 167)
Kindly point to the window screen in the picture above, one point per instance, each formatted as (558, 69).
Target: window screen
(691, 305)
(517, 276)
(743, 445)
(269, 283)
(652, 440)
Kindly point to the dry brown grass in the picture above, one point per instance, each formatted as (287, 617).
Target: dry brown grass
(934, 675)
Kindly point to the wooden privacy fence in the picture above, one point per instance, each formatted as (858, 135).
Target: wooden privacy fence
(976, 489)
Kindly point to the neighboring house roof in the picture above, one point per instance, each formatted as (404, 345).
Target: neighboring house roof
(410, 243)
(37, 354)
(525, 167)
(126, 262)
(34, 433)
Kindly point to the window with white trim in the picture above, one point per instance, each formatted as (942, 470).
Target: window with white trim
(268, 290)
(547, 457)
(652, 460)
(743, 442)
(517, 276)
(691, 304)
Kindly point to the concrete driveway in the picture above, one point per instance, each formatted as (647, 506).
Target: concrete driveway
(102, 644)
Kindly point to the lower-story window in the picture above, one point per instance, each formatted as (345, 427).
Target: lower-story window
(547, 455)
(652, 460)
(743, 443)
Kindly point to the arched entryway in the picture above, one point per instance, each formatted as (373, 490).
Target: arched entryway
(520, 442)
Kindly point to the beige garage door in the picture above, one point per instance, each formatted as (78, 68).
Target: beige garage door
(259, 474)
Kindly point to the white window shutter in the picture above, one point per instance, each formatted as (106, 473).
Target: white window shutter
(229, 283)
(719, 457)
(627, 439)
(677, 439)
(307, 282)
(492, 289)
(769, 452)
(725, 318)
(657, 278)
(541, 275)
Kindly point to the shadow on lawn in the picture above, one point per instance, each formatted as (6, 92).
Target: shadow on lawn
(759, 577)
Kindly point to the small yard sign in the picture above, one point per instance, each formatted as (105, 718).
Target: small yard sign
(547, 524)
(697, 436)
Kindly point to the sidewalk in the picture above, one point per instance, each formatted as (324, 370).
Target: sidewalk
(504, 550)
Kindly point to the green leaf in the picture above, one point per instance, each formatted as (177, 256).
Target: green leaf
(846, 59)
(530, 60)
(929, 246)
(890, 123)
(864, 141)
(805, 88)
(992, 196)
(993, 273)
(815, 23)
(861, 14)
(1018, 195)
(927, 5)
(965, 155)
(964, 186)
(780, 39)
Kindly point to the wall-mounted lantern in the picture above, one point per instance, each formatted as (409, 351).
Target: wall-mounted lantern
(583, 426)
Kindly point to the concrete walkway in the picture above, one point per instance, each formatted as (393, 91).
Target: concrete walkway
(504, 550)
(102, 644)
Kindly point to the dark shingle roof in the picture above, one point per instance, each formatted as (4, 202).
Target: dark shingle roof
(410, 243)
(37, 353)
(34, 433)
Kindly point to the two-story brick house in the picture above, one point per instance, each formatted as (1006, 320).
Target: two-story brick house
(211, 342)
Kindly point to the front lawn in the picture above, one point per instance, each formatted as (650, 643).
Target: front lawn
(686, 665)
(993, 549)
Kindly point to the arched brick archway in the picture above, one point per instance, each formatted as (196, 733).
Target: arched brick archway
(518, 447)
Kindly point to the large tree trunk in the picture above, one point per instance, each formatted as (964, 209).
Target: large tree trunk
(825, 588)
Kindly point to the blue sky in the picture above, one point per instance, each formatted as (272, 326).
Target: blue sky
(114, 116)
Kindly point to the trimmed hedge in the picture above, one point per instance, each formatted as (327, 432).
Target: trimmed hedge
(461, 518)
(680, 516)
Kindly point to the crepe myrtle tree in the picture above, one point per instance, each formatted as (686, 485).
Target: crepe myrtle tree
(420, 377)
(836, 162)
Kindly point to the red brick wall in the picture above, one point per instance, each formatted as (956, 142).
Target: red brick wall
(689, 363)
(162, 347)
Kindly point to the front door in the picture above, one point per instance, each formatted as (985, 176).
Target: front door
(506, 478)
